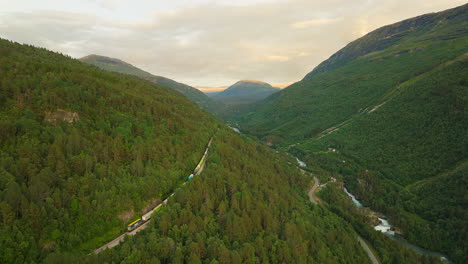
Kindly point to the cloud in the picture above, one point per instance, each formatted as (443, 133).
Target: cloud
(314, 22)
(282, 85)
(211, 89)
(212, 43)
(274, 58)
(304, 54)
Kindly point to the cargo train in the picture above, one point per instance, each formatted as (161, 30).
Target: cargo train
(146, 217)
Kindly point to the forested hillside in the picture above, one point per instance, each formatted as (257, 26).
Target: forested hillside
(248, 206)
(83, 151)
(418, 134)
(393, 106)
(116, 65)
(358, 80)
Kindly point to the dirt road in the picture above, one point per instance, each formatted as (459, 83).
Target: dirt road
(368, 250)
(312, 191)
(364, 245)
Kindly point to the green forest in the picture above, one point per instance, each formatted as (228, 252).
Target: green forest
(116, 65)
(68, 185)
(248, 206)
(85, 151)
(366, 73)
(410, 145)
(385, 247)
(393, 106)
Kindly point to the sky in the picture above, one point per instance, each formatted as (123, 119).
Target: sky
(207, 43)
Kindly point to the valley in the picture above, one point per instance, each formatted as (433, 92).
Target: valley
(391, 105)
(361, 160)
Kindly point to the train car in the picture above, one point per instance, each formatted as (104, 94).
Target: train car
(147, 216)
(134, 224)
(200, 164)
(197, 169)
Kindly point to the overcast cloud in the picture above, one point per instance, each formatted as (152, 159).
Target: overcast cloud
(206, 42)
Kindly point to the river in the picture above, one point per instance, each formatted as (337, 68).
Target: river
(235, 129)
(385, 227)
(301, 163)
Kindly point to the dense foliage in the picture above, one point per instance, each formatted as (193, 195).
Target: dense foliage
(116, 65)
(393, 104)
(413, 137)
(352, 87)
(84, 151)
(248, 206)
(388, 250)
(68, 184)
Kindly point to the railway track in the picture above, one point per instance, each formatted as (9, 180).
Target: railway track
(116, 241)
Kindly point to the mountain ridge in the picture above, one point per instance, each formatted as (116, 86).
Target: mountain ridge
(393, 109)
(117, 65)
(384, 37)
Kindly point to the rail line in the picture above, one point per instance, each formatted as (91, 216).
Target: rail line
(143, 222)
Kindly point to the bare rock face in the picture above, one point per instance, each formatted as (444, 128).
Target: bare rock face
(126, 216)
(61, 115)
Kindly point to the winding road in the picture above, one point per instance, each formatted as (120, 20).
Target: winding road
(363, 243)
(312, 191)
(368, 250)
(117, 240)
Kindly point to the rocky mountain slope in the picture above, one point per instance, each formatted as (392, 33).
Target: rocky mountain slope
(116, 65)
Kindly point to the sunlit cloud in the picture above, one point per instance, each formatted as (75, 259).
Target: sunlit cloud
(282, 85)
(211, 89)
(274, 58)
(362, 27)
(206, 42)
(314, 22)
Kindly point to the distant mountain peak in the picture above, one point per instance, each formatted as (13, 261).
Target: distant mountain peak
(246, 91)
(251, 81)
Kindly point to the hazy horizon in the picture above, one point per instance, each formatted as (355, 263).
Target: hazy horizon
(206, 43)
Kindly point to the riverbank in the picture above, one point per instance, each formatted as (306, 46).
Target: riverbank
(385, 227)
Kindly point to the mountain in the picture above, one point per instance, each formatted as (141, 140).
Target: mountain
(211, 91)
(116, 65)
(84, 152)
(211, 94)
(245, 92)
(392, 104)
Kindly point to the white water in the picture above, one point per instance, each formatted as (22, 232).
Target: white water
(301, 163)
(235, 129)
(353, 198)
(385, 227)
